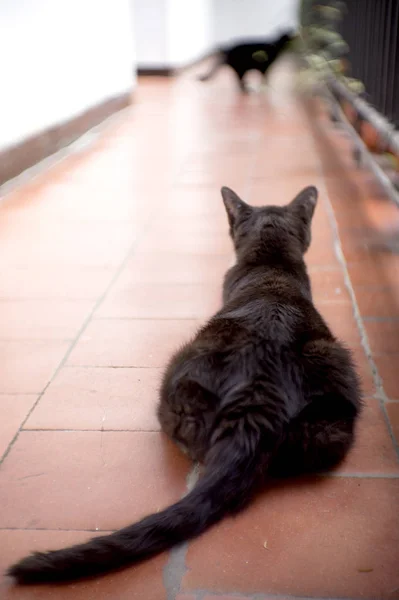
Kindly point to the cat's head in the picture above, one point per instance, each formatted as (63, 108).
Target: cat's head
(259, 233)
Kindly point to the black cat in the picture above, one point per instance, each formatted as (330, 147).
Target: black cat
(256, 55)
(263, 389)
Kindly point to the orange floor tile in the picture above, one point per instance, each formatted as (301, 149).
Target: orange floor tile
(108, 261)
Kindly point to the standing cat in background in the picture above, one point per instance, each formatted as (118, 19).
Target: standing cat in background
(264, 388)
(256, 55)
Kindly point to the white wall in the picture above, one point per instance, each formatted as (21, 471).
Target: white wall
(150, 32)
(239, 19)
(189, 30)
(58, 58)
(172, 33)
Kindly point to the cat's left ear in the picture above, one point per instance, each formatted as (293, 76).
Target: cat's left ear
(235, 207)
(304, 203)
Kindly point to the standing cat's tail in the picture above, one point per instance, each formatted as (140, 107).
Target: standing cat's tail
(232, 471)
(220, 60)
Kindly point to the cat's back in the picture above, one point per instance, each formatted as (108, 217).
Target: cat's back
(245, 50)
(272, 306)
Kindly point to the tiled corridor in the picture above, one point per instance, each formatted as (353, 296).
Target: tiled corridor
(108, 261)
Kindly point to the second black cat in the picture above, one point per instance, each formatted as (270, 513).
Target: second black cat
(256, 55)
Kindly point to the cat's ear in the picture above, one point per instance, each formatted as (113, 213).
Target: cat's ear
(304, 203)
(235, 207)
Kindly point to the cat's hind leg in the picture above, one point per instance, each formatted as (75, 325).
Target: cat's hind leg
(186, 415)
(320, 436)
(264, 86)
(316, 440)
(240, 74)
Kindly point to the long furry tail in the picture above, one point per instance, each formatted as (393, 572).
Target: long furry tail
(232, 471)
(220, 59)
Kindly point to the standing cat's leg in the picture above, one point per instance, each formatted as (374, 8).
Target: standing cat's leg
(240, 76)
(264, 85)
(265, 76)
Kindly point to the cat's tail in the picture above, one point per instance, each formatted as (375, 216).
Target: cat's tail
(220, 60)
(232, 471)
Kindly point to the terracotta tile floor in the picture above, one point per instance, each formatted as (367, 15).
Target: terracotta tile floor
(108, 261)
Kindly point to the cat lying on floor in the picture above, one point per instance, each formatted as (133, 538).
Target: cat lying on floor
(256, 55)
(263, 389)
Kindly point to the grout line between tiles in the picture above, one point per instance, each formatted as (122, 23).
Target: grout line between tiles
(355, 475)
(101, 430)
(42, 339)
(77, 366)
(202, 594)
(56, 529)
(192, 318)
(380, 395)
(19, 393)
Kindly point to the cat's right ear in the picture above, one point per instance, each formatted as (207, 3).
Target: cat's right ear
(304, 203)
(235, 207)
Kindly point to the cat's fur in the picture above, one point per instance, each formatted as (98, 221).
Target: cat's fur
(263, 389)
(256, 55)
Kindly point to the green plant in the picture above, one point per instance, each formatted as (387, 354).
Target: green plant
(323, 50)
